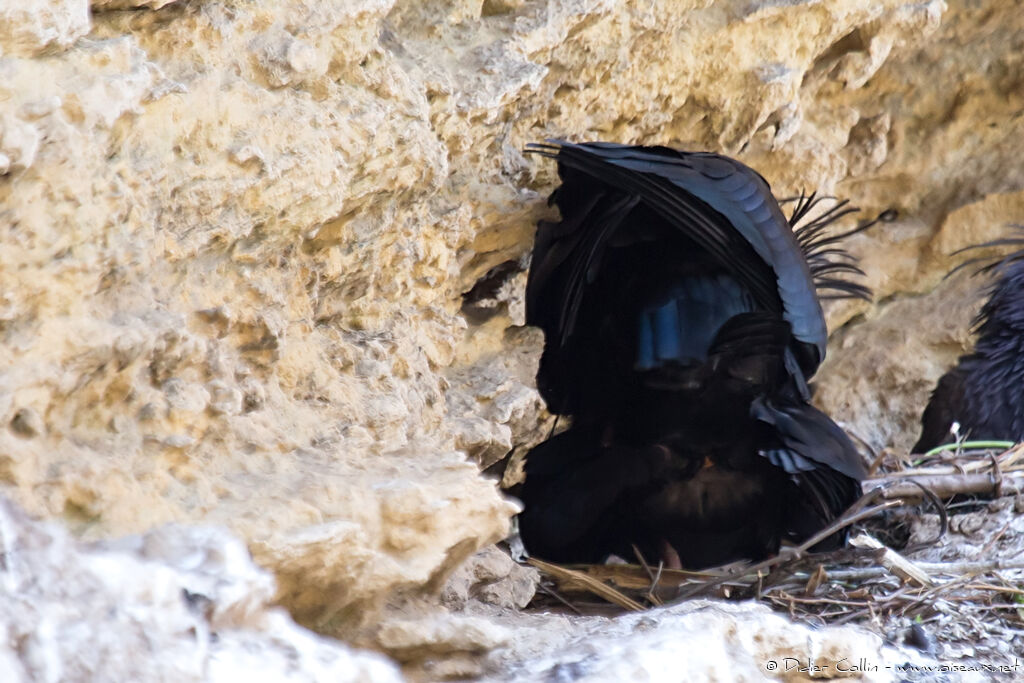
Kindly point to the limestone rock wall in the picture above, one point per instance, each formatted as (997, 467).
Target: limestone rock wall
(235, 239)
(230, 293)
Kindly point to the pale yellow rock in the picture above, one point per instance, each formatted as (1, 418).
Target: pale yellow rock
(493, 400)
(32, 27)
(491, 577)
(982, 221)
(441, 635)
(207, 324)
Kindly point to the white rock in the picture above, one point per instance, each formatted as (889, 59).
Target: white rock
(179, 603)
(695, 641)
(31, 27)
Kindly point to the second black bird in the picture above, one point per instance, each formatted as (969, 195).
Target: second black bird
(984, 393)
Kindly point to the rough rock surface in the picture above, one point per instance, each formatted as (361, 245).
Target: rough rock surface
(29, 28)
(235, 239)
(695, 641)
(491, 577)
(229, 293)
(176, 604)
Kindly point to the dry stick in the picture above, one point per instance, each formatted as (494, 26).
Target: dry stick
(931, 568)
(953, 470)
(877, 462)
(995, 539)
(876, 457)
(960, 463)
(944, 485)
(841, 523)
(783, 574)
(928, 596)
(892, 560)
(989, 608)
(998, 488)
(996, 589)
(553, 593)
(849, 616)
(651, 596)
(593, 585)
(633, 577)
(840, 617)
(943, 519)
(817, 601)
(865, 500)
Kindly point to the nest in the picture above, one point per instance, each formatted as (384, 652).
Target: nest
(970, 602)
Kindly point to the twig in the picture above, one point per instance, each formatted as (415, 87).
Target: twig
(995, 538)
(877, 462)
(593, 585)
(998, 488)
(643, 562)
(944, 485)
(892, 560)
(932, 568)
(843, 522)
(553, 593)
(651, 595)
(943, 518)
(989, 608)
(996, 589)
(782, 596)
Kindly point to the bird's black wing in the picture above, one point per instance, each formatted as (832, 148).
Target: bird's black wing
(727, 209)
(565, 257)
(818, 456)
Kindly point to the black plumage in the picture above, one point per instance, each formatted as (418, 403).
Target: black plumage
(682, 322)
(984, 393)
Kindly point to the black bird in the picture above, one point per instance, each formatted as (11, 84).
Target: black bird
(682, 322)
(984, 393)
